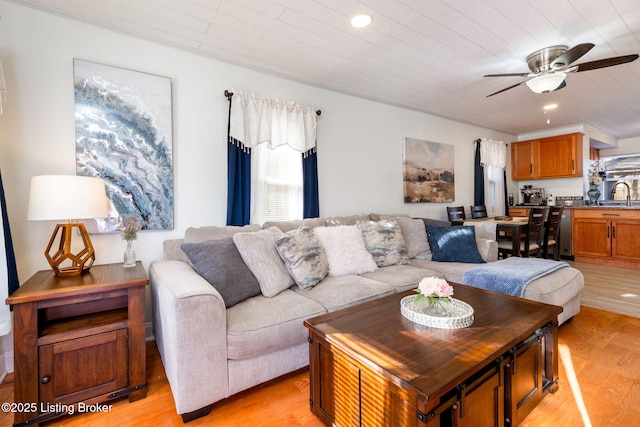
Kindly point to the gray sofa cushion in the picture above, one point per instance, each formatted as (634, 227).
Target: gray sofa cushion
(414, 233)
(336, 292)
(200, 234)
(303, 255)
(261, 325)
(258, 251)
(402, 277)
(219, 262)
(295, 223)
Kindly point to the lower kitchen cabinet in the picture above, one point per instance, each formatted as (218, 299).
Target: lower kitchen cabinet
(607, 236)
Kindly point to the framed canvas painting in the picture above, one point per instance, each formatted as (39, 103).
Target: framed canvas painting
(124, 136)
(428, 174)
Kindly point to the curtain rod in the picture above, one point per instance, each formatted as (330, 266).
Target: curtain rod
(228, 95)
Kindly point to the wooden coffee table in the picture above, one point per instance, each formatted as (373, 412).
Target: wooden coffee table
(369, 365)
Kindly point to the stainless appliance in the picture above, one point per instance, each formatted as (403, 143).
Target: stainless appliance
(565, 245)
(532, 196)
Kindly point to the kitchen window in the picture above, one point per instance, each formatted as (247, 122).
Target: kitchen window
(618, 170)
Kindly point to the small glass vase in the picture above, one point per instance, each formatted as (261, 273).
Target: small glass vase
(129, 257)
(594, 194)
(437, 309)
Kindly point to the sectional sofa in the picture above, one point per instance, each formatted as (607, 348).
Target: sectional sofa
(229, 302)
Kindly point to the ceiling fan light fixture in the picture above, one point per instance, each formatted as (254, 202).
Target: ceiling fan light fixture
(546, 82)
(361, 21)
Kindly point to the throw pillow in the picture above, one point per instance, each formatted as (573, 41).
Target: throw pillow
(303, 256)
(414, 234)
(219, 262)
(383, 239)
(345, 250)
(258, 251)
(454, 244)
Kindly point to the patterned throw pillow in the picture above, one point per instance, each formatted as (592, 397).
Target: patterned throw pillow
(303, 255)
(383, 239)
(345, 250)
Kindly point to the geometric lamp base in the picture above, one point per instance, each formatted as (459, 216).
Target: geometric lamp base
(63, 261)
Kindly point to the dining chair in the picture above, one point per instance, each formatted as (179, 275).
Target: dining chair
(479, 211)
(532, 242)
(552, 232)
(456, 214)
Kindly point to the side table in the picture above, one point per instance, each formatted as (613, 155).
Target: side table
(78, 340)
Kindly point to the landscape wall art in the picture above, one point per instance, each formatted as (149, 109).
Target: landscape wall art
(124, 136)
(427, 172)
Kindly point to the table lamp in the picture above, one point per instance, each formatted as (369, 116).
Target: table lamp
(69, 198)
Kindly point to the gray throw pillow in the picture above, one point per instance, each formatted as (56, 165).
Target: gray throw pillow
(258, 250)
(220, 263)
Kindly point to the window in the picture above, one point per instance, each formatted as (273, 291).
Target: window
(624, 169)
(277, 193)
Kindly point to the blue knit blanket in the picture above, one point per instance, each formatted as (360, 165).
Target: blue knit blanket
(510, 276)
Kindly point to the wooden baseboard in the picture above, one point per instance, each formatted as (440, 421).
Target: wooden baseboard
(635, 265)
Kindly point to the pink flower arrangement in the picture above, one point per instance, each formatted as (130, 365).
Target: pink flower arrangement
(434, 289)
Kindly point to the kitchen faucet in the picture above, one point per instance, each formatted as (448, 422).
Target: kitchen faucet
(628, 191)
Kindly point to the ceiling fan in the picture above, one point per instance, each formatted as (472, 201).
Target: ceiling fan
(549, 67)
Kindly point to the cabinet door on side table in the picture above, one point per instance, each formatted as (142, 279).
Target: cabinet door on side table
(83, 368)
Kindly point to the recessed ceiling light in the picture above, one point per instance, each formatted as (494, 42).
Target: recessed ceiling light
(361, 21)
(550, 106)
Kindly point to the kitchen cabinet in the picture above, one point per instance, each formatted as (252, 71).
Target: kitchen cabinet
(607, 236)
(522, 155)
(553, 157)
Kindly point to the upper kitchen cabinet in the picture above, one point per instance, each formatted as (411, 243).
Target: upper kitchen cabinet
(553, 157)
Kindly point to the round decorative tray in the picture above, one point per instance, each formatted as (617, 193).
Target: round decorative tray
(458, 313)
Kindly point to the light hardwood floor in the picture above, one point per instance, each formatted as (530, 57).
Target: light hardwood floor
(599, 375)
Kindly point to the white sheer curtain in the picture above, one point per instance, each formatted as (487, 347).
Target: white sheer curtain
(277, 133)
(493, 156)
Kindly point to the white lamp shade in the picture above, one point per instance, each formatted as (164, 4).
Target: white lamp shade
(67, 197)
(546, 82)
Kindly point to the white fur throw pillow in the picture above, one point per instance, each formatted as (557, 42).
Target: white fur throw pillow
(345, 249)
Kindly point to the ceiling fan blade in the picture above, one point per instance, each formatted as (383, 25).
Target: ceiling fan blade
(507, 88)
(608, 62)
(508, 75)
(571, 55)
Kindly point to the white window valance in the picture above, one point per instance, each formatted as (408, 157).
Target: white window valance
(257, 120)
(493, 153)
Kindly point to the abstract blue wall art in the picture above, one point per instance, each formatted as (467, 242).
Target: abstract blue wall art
(124, 136)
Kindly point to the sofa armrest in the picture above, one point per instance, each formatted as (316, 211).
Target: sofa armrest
(488, 249)
(190, 327)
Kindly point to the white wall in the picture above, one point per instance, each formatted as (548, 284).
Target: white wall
(360, 142)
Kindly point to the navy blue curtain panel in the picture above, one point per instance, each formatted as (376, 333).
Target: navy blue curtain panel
(238, 183)
(9, 263)
(478, 178)
(311, 202)
(238, 179)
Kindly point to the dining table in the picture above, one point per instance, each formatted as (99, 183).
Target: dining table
(498, 228)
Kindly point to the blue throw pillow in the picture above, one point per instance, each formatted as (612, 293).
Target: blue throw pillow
(454, 244)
